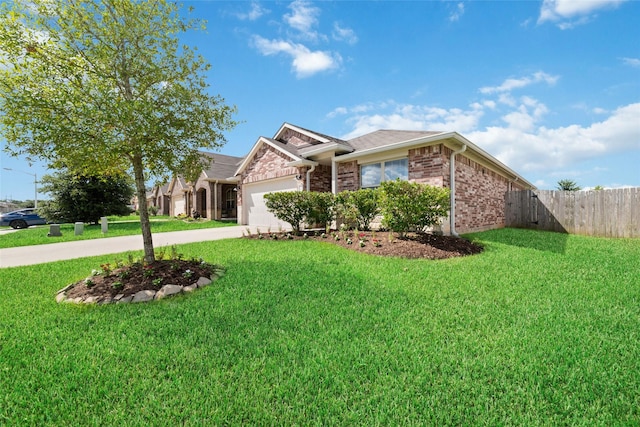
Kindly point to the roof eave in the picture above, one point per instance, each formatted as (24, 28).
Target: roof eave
(410, 143)
(325, 148)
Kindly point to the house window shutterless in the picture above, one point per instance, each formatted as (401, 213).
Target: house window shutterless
(373, 174)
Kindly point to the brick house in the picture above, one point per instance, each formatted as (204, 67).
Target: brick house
(297, 159)
(212, 195)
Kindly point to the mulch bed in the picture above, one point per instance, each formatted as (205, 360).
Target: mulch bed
(130, 279)
(413, 245)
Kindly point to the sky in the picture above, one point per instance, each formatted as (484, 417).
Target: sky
(551, 88)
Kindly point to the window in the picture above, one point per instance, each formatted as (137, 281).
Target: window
(230, 199)
(373, 174)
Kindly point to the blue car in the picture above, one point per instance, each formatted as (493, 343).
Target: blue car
(22, 218)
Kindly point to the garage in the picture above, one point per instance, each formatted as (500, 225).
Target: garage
(255, 212)
(178, 207)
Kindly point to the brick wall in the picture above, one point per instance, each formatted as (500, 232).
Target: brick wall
(268, 163)
(479, 194)
(320, 179)
(426, 165)
(296, 139)
(348, 176)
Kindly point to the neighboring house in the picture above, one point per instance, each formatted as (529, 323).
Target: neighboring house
(297, 159)
(212, 195)
(159, 197)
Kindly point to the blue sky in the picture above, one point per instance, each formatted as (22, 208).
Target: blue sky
(550, 88)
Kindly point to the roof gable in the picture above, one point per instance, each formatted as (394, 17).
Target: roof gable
(221, 167)
(285, 149)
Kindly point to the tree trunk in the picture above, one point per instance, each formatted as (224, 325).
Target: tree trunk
(141, 192)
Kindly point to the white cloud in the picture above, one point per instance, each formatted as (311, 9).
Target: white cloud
(344, 34)
(304, 18)
(305, 62)
(634, 62)
(254, 13)
(543, 148)
(511, 84)
(563, 11)
(457, 13)
(408, 117)
(522, 141)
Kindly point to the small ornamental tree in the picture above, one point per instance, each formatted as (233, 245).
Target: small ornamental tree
(106, 87)
(359, 207)
(85, 198)
(290, 206)
(409, 206)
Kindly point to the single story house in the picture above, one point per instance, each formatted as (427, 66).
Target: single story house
(159, 197)
(297, 159)
(212, 195)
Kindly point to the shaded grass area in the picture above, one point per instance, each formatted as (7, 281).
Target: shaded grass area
(121, 227)
(309, 333)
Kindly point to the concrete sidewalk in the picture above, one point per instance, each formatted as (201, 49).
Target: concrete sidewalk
(29, 255)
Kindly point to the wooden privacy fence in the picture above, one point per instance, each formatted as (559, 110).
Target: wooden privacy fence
(607, 213)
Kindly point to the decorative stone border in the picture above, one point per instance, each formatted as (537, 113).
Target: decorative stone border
(141, 296)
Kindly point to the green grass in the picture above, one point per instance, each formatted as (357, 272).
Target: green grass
(118, 226)
(540, 329)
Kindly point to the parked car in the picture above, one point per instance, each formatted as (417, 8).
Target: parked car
(22, 218)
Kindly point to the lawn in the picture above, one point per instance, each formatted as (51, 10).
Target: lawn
(539, 329)
(118, 226)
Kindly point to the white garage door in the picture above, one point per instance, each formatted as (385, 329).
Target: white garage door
(256, 212)
(178, 207)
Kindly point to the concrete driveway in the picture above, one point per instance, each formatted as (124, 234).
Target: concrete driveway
(29, 255)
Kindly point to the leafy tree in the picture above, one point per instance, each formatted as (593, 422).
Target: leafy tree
(567, 185)
(409, 206)
(105, 87)
(290, 206)
(359, 207)
(85, 198)
(598, 187)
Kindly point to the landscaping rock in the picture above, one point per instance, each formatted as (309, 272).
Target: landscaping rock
(143, 296)
(124, 300)
(190, 288)
(168, 290)
(61, 297)
(202, 282)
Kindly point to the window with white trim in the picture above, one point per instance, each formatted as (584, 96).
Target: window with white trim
(373, 174)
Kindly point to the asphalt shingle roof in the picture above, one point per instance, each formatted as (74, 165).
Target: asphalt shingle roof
(381, 138)
(223, 166)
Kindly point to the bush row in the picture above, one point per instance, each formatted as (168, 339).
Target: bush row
(404, 206)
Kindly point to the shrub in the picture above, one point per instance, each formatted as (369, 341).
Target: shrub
(409, 206)
(358, 207)
(289, 206)
(322, 208)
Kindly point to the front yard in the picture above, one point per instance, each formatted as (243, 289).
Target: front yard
(118, 226)
(540, 328)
